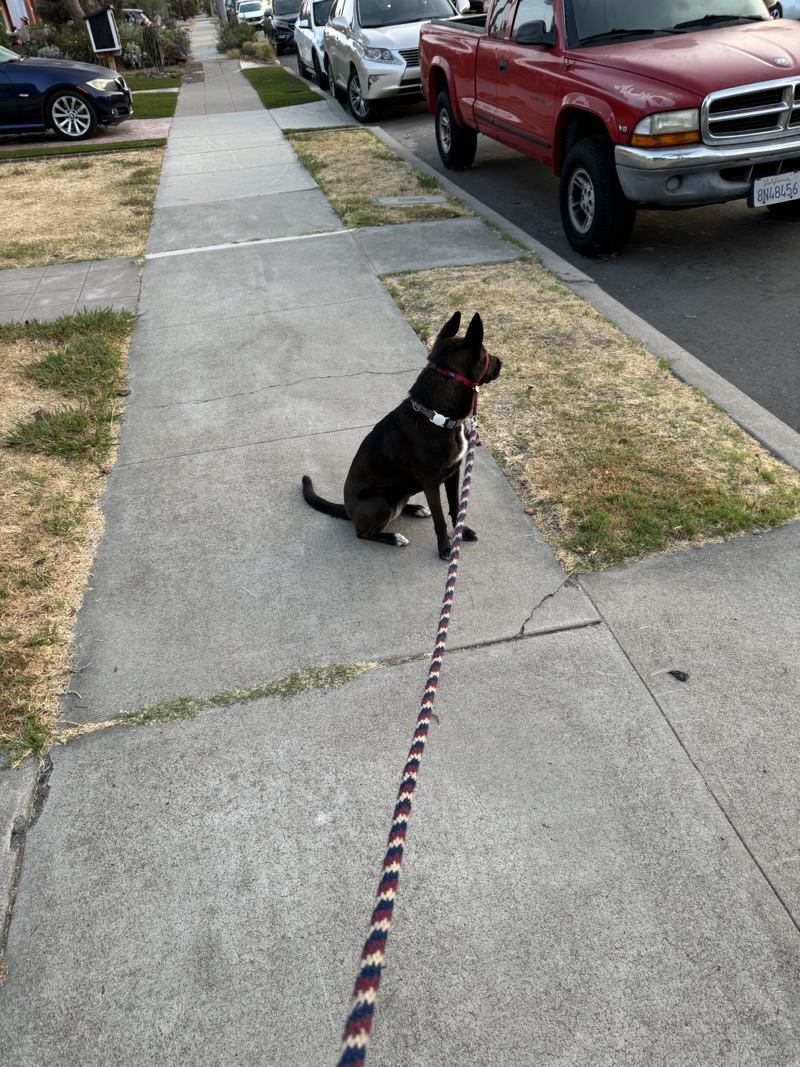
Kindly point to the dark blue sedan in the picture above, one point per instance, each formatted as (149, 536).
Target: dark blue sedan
(57, 94)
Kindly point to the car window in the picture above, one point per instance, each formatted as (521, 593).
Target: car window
(7, 56)
(337, 9)
(285, 7)
(322, 10)
(498, 20)
(304, 13)
(373, 13)
(534, 11)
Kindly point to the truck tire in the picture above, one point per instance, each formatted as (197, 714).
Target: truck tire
(596, 216)
(790, 210)
(457, 144)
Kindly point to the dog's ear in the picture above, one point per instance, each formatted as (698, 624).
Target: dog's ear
(474, 336)
(450, 328)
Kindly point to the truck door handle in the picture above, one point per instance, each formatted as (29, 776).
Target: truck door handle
(502, 66)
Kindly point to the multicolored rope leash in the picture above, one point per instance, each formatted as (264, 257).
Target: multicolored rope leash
(359, 1022)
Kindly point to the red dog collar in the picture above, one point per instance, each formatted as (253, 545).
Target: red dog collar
(459, 377)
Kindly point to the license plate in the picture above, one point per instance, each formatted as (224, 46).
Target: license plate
(776, 189)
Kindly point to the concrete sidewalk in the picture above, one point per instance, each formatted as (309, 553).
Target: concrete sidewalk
(603, 865)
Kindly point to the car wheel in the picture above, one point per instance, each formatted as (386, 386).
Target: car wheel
(364, 110)
(72, 116)
(457, 144)
(596, 216)
(305, 72)
(776, 12)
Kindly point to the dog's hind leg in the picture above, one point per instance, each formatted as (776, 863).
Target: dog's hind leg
(371, 519)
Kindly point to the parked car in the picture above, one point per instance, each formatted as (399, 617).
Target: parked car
(308, 38)
(61, 95)
(371, 50)
(784, 9)
(279, 24)
(252, 12)
(135, 14)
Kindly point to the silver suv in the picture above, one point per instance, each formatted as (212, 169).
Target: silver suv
(371, 50)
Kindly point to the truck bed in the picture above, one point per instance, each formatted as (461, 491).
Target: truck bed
(475, 23)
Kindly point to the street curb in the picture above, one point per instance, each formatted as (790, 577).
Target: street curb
(771, 432)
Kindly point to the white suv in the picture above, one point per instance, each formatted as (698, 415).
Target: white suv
(372, 49)
(252, 12)
(308, 38)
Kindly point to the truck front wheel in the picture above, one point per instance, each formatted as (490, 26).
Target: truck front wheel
(596, 216)
(457, 144)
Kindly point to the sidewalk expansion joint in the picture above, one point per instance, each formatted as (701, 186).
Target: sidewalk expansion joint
(245, 244)
(706, 784)
(278, 385)
(162, 457)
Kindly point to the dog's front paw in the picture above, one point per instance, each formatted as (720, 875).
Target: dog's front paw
(469, 535)
(444, 549)
(399, 540)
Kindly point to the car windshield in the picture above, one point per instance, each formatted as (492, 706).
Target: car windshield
(285, 7)
(250, 5)
(322, 10)
(6, 55)
(372, 13)
(617, 19)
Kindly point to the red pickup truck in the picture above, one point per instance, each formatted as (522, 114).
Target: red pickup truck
(657, 103)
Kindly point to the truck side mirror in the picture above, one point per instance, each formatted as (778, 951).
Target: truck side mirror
(303, 24)
(534, 33)
(463, 6)
(339, 23)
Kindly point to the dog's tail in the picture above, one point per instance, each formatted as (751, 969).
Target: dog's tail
(310, 497)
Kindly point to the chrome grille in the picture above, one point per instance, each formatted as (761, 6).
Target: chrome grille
(411, 56)
(765, 111)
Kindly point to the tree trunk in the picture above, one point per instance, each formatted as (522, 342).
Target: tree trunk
(78, 8)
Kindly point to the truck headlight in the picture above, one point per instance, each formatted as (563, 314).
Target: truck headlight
(668, 128)
(381, 55)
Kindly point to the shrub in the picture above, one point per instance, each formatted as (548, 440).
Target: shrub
(261, 50)
(50, 51)
(234, 36)
(74, 44)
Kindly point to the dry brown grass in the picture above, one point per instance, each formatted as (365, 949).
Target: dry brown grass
(76, 209)
(49, 528)
(612, 456)
(352, 167)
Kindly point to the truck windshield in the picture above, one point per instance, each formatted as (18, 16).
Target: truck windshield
(617, 19)
(372, 13)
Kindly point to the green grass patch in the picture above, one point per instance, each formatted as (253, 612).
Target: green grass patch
(138, 82)
(277, 88)
(328, 676)
(154, 105)
(84, 364)
(87, 148)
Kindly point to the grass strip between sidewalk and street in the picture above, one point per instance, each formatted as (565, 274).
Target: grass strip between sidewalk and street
(277, 88)
(73, 210)
(353, 167)
(80, 150)
(61, 388)
(612, 456)
(154, 105)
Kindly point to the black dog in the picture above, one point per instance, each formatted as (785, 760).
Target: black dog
(419, 445)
